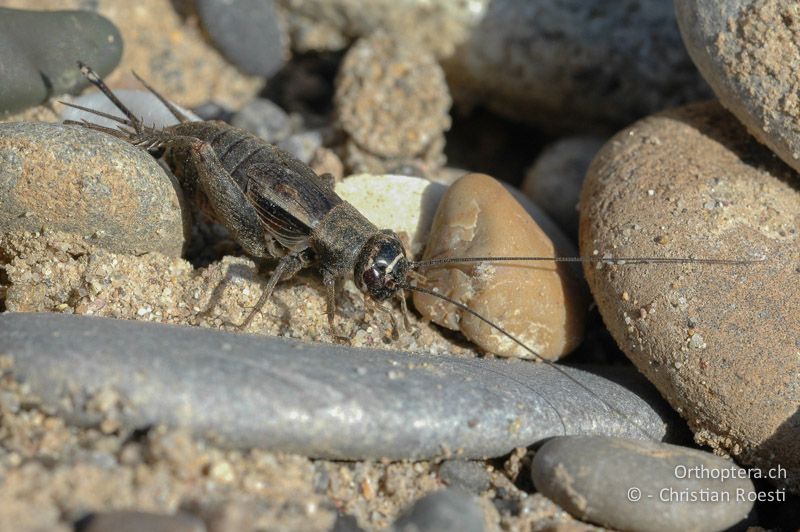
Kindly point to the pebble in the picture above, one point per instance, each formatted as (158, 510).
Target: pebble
(749, 52)
(404, 204)
(555, 178)
(317, 400)
(466, 475)
(392, 101)
(719, 342)
(133, 521)
(144, 105)
(39, 50)
(442, 510)
(302, 145)
(247, 32)
(265, 119)
(544, 305)
(550, 63)
(642, 485)
(71, 179)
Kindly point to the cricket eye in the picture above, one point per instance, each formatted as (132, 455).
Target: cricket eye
(371, 277)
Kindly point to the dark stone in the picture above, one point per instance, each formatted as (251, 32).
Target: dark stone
(247, 32)
(39, 50)
(444, 510)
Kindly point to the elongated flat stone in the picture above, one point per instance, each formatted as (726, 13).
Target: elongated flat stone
(319, 400)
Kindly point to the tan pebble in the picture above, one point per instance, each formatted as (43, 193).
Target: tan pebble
(540, 303)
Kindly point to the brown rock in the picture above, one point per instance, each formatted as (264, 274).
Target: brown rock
(719, 342)
(392, 101)
(541, 303)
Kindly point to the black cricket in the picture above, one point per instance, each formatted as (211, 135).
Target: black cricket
(276, 206)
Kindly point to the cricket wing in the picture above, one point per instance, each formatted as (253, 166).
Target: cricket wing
(290, 202)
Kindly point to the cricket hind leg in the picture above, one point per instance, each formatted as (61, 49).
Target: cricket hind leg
(287, 267)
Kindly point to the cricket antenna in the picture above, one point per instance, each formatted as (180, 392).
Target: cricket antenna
(601, 260)
(530, 350)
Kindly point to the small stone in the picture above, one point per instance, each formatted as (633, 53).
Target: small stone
(540, 303)
(264, 119)
(133, 521)
(184, 377)
(554, 181)
(442, 510)
(71, 179)
(392, 99)
(466, 475)
(642, 485)
(142, 103)
(302, 145)
(404, 204)
(749, 52)
(734, 400)
(40, 49)
(247, 32)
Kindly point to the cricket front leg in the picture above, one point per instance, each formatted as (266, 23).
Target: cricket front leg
(329, 280)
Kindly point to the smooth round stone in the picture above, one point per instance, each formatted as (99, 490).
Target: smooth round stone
(318, 400)
(555, 178)
(302, 145)
(391, 97)
(265, 119)
(442, 510)
(143, 104)
(540, 303)
(642, 485)
(247, 32)
(135, 521)
(68, 178)
(720, 342)
(40, 50)
(403, 204)
(749, 52)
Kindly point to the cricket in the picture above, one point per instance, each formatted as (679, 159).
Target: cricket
(275, 206)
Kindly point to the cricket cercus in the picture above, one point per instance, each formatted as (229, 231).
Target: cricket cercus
(275, 206)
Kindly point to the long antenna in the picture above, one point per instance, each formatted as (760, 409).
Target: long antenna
(530, 350)
(603, 260)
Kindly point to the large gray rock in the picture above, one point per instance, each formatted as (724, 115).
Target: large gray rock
(39, 50)
(319, 400)
(642, 485)
(67, 178)
(749, 52)
(719, 341)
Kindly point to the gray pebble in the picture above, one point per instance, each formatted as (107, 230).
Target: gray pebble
(749, 52)
(442, 511)
(265, 119)
(555, 178)
(250, 391)
(144, 104)
(70, 179)
(133, 521)
(38, 51)
(641, 485)
(302, 145)
(466, 475)
(247, 32)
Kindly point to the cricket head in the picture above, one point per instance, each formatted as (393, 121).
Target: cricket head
(381, 266)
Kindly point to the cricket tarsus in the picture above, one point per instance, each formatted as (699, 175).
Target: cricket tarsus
(276, 206)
